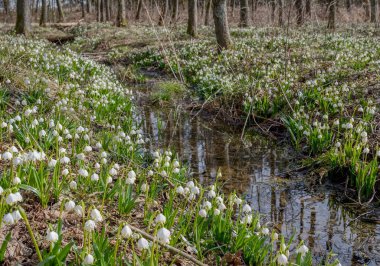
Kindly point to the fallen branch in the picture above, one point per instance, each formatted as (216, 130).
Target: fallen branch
(170, 248)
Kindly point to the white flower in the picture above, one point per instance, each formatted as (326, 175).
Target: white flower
(265, 231)
(202, 213)
(282, 259)
(238, 201)
(88, 260)
(195, 190)
(144, 187)
(78, 210)
(216, 212)
(52, 163)
(150, 173)
(7, 156)
(207, 205)
(303, 250)
(16, 180)
(113, 172)
(8, 219)
(190, 184)
(103, 154)
(65, 172)
(52, 237)
(126, 232)
(160, 219)
(275, 236)
(142, 244)
(81, 156)
(89, 226)
(11, 199)
(163, 235)
(365, 150)
(16, 215)
(69, 205)
(94, 177)
(83, 172)
(18, 196)
(247, 208)
(64, 160)
(180, 190)
(42, 133)
(211, 194)
(73, 185)
(96, 216)
(87, 149)
(1, 190)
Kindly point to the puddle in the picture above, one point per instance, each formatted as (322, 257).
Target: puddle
(253, 167)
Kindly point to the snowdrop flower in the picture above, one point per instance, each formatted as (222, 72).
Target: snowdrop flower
(247, 219)
(64, 160)
(8, 219)
(195, 190)
(190, 184)
(78, 210)
(180, 190)
(163, 235)
(150, 173)
(52, 163)
(265, 231)
(94, 177)
(247, 208)
(81, 156)
(222, 207)
(98, 145)
(142, 244)
(73, 185)
(1, 190)
(88, 260)
(65, 172)
(16, 215)
(83, 172)
(103, 154)
(144, 187)
(97, 166)
(109, 180)
(16, 180)
(275, 236)
(11, 199)
(302, 250)
(42, 133)
(207, 205)
(7, 156)
(69, 205)
(90, 226)
(365, 150)
(96, 216)
(126, 232)
(238, 201)
(87, 149)
(160, 219)
(282, 259)
(216, 212)
(52, 237)
(202, 213)
(113, 172)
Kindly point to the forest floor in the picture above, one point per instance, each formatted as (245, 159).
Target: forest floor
(307, 87)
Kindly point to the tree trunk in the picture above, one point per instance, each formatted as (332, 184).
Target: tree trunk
(331, 20)
(139, 7)
(101, 10)
(83, 8)
(273, 9)
(192, 19)
(298, 4)
(121, 20)
(207, 12)
(308, 8)
(367, 10)
(88, 6)
(98, 10)
(280, 13)
(221, 24)
(23, 20)
(61, 17)
(175, 4)
(373, 11)
(233, 8)
(6, 6)
(163, 12)
(244, 13)
(107, 9)
(348, 5)
(43, 17)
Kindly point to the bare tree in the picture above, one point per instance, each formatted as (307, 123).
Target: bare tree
(280, 13)
(43, 17)
(163, 12)
(244, 13)
(61, 17)
(139, 7)
(373, 11)
(6, 6)
(83, 8)
(299, 18)
(308, 7)
(331, 10)
(366, 7)
(192, 19)
(175, 5)
(121, 19)
(207, 12)
(88, 6)
(23, 20)
(221, 24)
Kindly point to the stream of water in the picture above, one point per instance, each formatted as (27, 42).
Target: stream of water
(254, 167)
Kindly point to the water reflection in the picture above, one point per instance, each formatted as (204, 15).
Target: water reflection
(252, 167)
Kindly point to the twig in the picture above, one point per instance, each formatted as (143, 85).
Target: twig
(170, 248)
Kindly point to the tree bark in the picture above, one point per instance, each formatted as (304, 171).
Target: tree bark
(102, 10)
(175, 4)
(331, 20)
(163, 12)
(98, 10)
(280, 13)
(139, 7)
(244, 13)
(299, 19)
(121, 20)
(88, 6)
(23, 20)
(43, 17)
(373, 11)
(83, 8)
(207, 12)
(308, 7)
(6, 6)
(222, 32)
(273, 9)
(367, 10)
(348, 5)
(61, 17)
(107, 9)
(192, 19)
